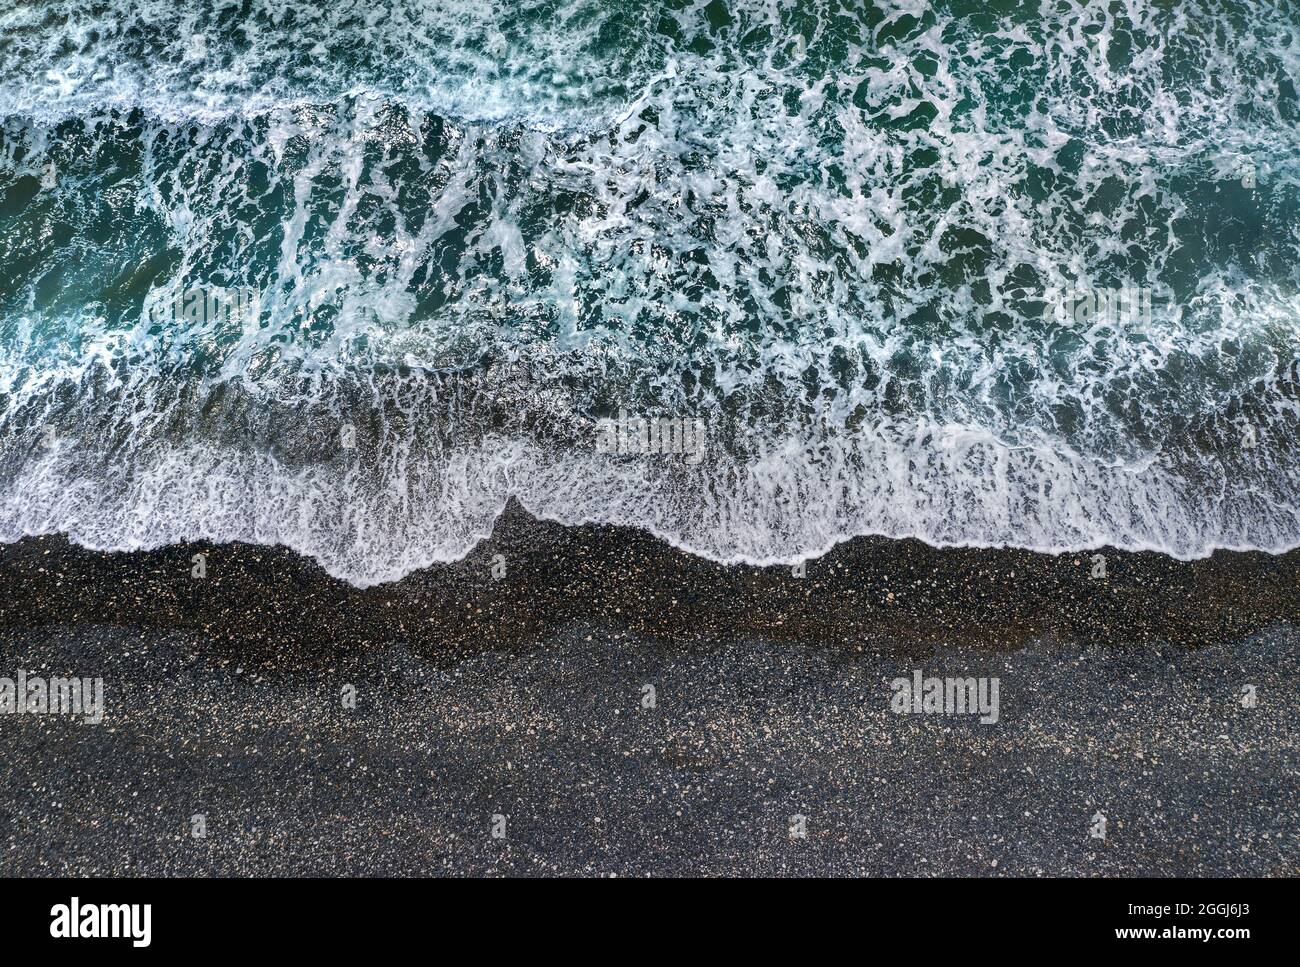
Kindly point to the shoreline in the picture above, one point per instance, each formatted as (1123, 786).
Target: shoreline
(531, 577)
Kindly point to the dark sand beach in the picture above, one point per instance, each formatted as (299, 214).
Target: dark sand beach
(523, 697)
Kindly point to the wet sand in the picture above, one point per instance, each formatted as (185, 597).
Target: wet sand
(271, 602)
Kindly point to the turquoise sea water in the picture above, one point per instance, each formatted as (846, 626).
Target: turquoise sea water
(869, 246)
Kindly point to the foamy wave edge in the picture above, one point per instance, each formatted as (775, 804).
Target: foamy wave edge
(366, 535)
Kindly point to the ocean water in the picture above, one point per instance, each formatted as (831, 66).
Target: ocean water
(348, 277)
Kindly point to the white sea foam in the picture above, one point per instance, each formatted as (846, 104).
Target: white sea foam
(416, 489)
(530, 60)
(366, 529)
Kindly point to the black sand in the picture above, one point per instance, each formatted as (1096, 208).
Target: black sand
(522, 697)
